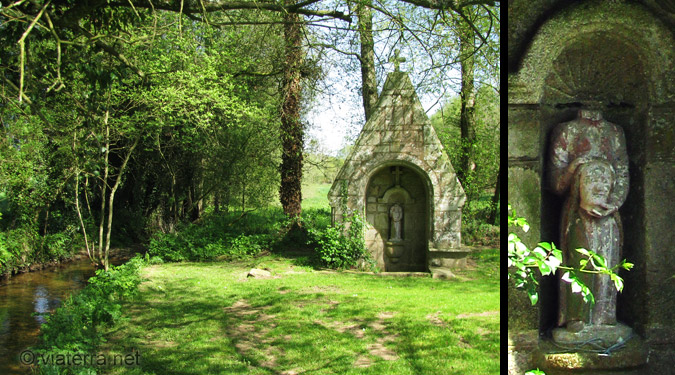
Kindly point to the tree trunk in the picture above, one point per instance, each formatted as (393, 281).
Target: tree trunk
(111, 199)
(368, 78)
(292, 131)
(79, 213)
(243, 195)
(495, 199)
(104, 186)
(468, 99)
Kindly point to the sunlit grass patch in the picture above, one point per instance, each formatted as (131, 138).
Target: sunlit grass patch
(315, 196)
(195, 318)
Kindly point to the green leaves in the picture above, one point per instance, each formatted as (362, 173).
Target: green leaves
(340, 245)
(548, 259)
(578, 286)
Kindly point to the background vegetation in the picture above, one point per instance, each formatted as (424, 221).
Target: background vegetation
(128, 122)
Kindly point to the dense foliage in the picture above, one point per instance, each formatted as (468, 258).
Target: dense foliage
(199, 127)
(121, 120)
(479, 224)
(232, 236)
(77, 326)
(223, 236)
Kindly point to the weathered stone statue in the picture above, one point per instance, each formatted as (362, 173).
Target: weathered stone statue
(589, 165)
(396, 214)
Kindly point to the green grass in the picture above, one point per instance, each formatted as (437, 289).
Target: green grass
(315, 196)
(199, 318)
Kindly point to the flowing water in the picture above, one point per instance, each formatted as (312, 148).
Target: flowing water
(24, 299)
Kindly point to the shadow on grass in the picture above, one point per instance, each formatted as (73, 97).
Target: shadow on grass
(236, 350)
(190, 326)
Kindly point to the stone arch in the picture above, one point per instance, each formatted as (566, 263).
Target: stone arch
(396, 183)
(641, 101)
(379, 162)
(618, 54)
(629, 23)
(445, 204)
(602, 67)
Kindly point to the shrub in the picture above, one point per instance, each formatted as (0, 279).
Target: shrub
(17, 248)
(166, 246)
(218, 235)
(5, 255)
(244, 245)
(477, 233)
(75, 327)
(340, 245)
(23, 246)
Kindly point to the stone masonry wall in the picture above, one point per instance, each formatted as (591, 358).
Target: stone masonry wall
(400, 133)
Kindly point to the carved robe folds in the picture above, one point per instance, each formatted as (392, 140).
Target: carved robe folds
(589, 166)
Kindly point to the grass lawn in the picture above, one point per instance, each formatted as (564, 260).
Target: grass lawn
(315, 196)
(198, 318)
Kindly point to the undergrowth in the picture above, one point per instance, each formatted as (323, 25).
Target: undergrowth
(233, 236)
(77, 326)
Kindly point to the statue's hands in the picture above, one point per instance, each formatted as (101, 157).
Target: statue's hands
(601, 210)
(574, 164)
(579, 161)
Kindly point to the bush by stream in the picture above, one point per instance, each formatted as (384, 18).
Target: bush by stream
(76, 326)
(23, 247)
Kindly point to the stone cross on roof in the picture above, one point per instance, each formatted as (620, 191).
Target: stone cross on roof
(397, 60)
(399, 154)
(397, 173)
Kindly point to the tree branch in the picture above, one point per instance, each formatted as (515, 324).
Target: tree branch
(33, 106)
(112, 51)
(194, 7)
(455, 5)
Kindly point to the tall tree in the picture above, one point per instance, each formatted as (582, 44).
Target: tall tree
(495, 199)
(290, 192)
(364, 15)
(467, 122)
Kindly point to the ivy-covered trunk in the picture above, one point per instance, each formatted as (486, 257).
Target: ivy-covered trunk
(291, 128)
(368, 78)
(467, 123)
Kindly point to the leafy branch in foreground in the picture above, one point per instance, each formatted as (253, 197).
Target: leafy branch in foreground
(548, 259)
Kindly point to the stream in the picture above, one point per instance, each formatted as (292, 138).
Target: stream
(24, 297)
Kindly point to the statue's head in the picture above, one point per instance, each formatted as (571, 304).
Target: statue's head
(593, 104)
(591, 109)
(596, 179)
(396, 212)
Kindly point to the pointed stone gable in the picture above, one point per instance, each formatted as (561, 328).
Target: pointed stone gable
(400, 135)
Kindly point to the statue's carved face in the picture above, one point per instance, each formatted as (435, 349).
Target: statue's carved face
(396, 212)
(596, 185)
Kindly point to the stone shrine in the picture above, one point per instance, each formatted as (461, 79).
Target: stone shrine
(399, 178)
(606, 68)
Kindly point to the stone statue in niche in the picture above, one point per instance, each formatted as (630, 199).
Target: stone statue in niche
(589, 165)
(396, 215)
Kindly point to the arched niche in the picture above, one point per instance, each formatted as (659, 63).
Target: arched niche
(602, 68)
(403, 186)
(622, 56)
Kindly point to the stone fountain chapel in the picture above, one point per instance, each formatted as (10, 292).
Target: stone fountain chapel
(399, 178)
